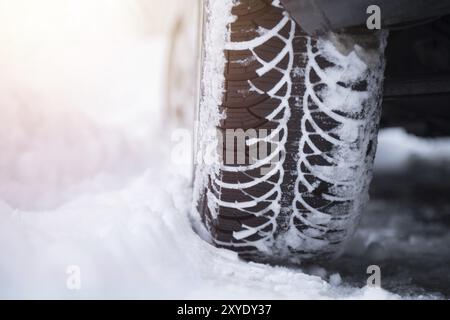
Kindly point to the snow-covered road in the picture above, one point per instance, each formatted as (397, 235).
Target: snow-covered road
(137, 242)
(86, 180)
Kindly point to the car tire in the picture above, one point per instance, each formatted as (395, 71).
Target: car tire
(317, 100)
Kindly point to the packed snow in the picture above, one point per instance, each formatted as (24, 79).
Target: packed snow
(86, 180)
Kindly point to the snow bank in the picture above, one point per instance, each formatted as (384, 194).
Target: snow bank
(397, 149)
(137, 243)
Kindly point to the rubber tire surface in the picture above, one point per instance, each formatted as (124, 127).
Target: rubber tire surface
(306, 205)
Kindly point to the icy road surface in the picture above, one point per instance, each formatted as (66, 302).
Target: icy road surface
(86, 180)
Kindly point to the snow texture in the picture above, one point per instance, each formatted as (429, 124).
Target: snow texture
(354, 139)
(216, 34)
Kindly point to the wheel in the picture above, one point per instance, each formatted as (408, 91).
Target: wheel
(313, 102)
(182, 67)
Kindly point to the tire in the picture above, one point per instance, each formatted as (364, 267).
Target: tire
(319, 100)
